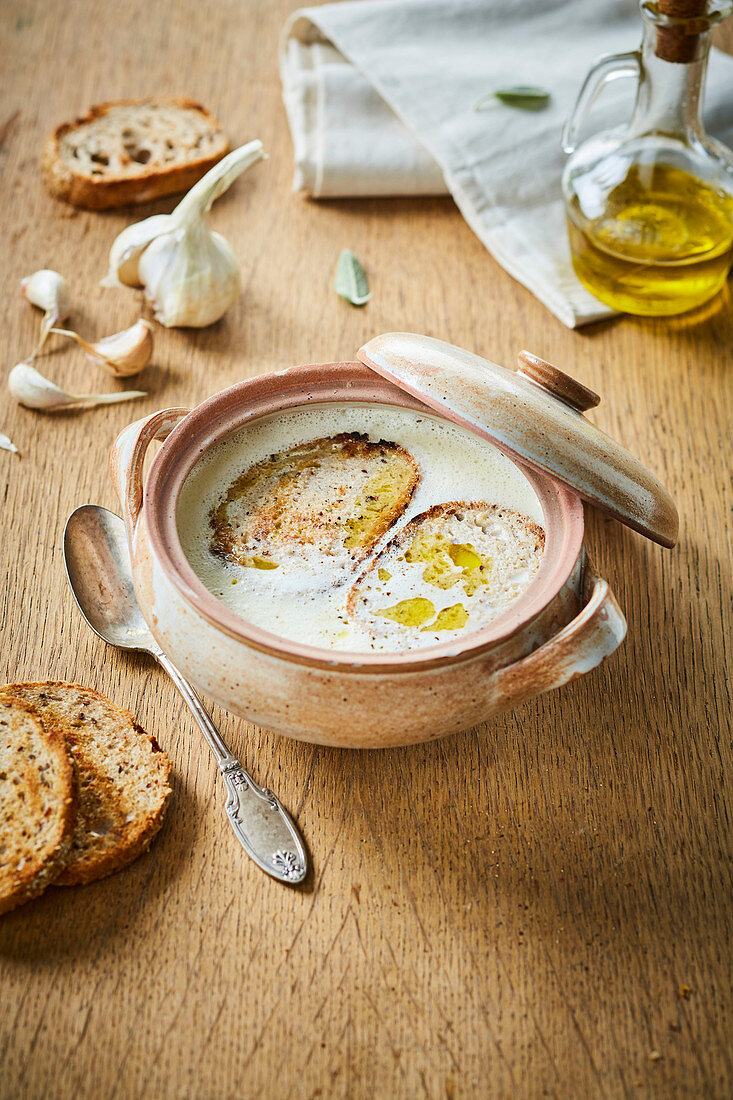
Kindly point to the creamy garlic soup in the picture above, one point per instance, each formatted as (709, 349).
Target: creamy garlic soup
(435, 574)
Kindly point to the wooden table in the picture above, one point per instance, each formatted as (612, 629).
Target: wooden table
(538, 907)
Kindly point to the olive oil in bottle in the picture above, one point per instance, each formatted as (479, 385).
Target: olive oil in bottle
(662, 245)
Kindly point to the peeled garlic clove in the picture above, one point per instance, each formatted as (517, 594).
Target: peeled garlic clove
(191, 277)
(49, 291)
(31, 389)
(125, 253)
(124, 353)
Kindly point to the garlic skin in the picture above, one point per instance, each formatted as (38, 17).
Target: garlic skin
(6, 444)
(189, 274)
(49, 291)
(124, 353)
(30, 388)
(191, 277)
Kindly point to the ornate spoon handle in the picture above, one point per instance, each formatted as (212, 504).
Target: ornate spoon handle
(260, 822)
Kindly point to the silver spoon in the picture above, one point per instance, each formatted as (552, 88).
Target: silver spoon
(97, 561)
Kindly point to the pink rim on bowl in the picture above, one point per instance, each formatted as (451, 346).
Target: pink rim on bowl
(269, 394)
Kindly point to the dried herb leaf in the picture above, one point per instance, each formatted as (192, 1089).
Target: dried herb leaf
(7, 444)
(528, 96)
(351, 281)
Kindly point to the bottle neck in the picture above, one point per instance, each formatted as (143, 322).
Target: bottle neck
(669, 99)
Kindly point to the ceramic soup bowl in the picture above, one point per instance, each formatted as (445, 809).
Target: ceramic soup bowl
(563, 625)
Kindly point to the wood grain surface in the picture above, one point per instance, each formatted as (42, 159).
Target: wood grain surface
(540, 906)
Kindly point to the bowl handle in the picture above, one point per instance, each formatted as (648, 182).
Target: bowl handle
(127, 457)
(595, 632)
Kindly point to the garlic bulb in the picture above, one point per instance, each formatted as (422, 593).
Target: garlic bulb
(190, 274)
(49, 291)
(124, 353)
(31, 389)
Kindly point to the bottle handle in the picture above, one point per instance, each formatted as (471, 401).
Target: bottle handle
(610, 67)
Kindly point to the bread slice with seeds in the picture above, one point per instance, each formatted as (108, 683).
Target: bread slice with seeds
(334, 496)
(37, 804)
(452, 569)
(121, 776)
(132, 151)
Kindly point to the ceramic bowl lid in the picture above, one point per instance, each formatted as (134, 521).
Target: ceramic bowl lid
(534, 413)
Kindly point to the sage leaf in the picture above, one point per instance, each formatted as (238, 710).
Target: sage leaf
(351, 280)
(7, 444)
(527, 96)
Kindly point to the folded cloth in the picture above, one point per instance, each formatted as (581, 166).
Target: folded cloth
(380, 95)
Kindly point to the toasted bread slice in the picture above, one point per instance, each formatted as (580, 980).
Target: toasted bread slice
(131, 151)
(337, 495)
(450, 570)
(37, 804)
(121, 776)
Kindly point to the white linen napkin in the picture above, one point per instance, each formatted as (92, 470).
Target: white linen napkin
(380, 93)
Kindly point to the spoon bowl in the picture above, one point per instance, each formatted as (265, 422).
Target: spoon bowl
(99, 570)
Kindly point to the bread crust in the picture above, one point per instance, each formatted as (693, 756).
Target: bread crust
(83, 863)
(22, 883)
(118, 190)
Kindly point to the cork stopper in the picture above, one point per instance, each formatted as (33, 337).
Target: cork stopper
(678, 43)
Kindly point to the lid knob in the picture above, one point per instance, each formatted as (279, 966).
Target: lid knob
(558, 383)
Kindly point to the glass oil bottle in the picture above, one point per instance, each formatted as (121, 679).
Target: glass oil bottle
(650, 205)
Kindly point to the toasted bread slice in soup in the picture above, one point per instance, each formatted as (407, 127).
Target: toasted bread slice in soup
(121, 776)
(449, 570)
(131, 151)
(37, 804)
(335, 496)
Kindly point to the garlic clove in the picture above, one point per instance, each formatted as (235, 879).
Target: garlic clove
(124, 353)
(191, 278)
(49, 291)
(127, 248)
(6, 444)
(30, 388)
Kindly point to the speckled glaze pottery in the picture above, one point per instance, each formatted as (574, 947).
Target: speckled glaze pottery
(564, 625)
